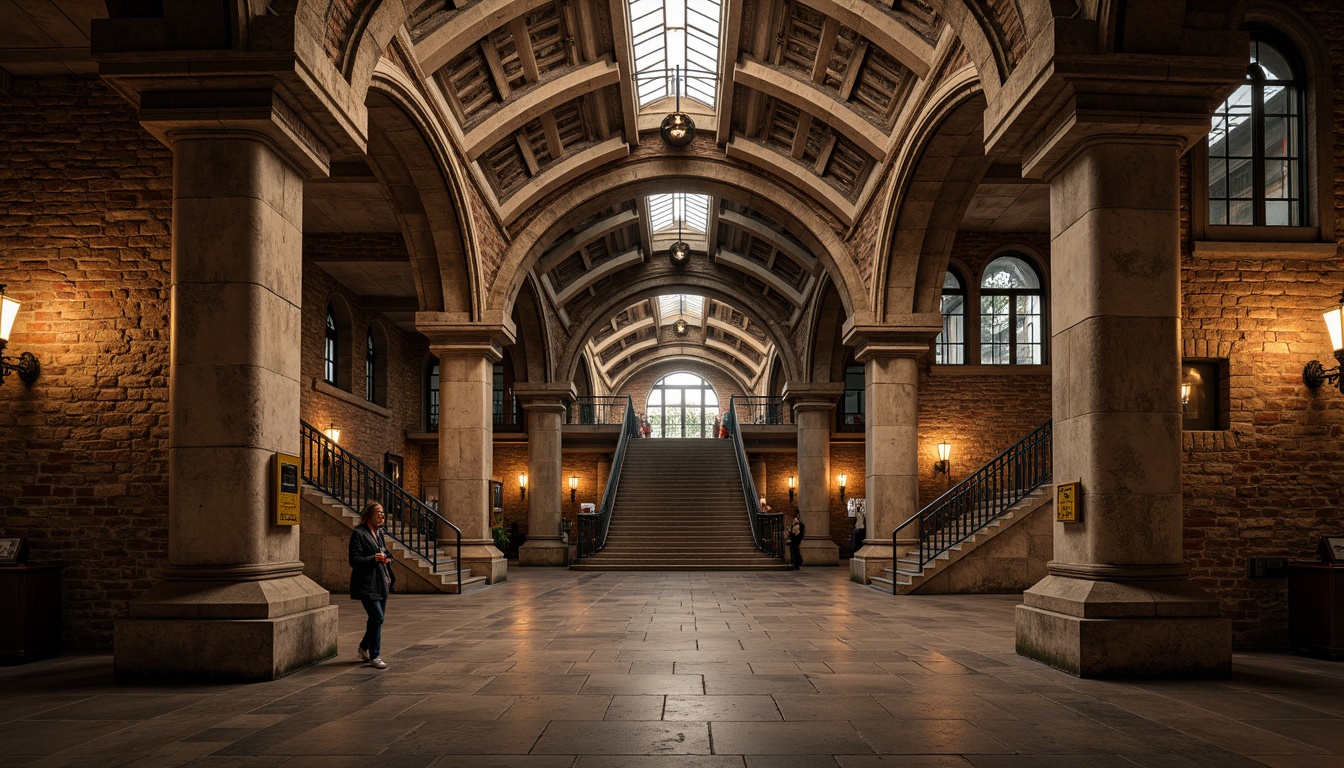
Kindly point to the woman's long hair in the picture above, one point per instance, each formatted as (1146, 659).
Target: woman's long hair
(368, 513)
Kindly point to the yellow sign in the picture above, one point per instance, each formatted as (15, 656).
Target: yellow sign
(285, 470)
(1068, 502)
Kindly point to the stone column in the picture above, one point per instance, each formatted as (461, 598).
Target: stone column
(890, 355)
(545, 408)
(1117, 600)
(813, 414)
(467, 352)
(233, 603)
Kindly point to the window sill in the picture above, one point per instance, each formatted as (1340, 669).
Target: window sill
(1243, 249)
(340, 394)
(990, 370)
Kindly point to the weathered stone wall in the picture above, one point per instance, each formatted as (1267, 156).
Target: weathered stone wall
(85, 206)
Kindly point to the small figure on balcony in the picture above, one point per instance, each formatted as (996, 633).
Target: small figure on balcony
(722, 431)
(795, 533)
(715, 432)
(645, 429)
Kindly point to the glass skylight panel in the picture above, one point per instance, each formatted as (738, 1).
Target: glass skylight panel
(675, 34)
(666, 210)
(679, 305)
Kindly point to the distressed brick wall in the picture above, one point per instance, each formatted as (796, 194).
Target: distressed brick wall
(85, 206)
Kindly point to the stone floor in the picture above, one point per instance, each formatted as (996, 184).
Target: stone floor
(680, 670)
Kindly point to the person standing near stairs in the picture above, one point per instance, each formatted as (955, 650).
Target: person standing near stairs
(371, 579)
(796, 532)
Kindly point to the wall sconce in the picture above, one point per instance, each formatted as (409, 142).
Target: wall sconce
(27, 367)
(943, 466)
(1315, 374)
(793, 483)
(333, 433)
(522, 486)
(842, 478)
(573, 488)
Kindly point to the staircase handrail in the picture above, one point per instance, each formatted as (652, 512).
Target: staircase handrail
(760, 409)
(593, 526)
(767, 528)
(342, 475)
(981, 498)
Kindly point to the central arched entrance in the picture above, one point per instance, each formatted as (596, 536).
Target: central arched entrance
(682, 405)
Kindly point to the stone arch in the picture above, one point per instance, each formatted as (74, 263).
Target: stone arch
(531, 350)
(939, 171)
(567, 359)
(426, 191)
(674, 362)
(694, 175)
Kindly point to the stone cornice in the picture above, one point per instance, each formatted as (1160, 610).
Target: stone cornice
(911, 336)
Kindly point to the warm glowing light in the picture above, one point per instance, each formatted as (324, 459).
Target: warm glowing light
(1185, 394)
(573, 482)
(9, 309)
(944, 451)
(793, 482)
(333, 433)
(1333, 324)
(522, 481)
(843, 478)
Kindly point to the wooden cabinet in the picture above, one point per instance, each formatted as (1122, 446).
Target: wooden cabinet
(30, 601)
(1316, 609)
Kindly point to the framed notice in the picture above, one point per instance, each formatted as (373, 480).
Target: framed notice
(1331, 549)
(1069, 502)
(13, 551)
(285, 500)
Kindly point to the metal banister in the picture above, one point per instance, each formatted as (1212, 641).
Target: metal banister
(767, 528)
(593, 526)
(342, 475)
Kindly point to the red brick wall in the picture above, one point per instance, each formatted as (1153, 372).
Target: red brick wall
(640, 384)
(85, 205)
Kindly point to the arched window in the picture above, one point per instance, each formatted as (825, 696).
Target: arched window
(333, 345)
(432, 396)
(370, 366)
(1011, 313)
(1257, 144)
(682, 405)
(950, 346)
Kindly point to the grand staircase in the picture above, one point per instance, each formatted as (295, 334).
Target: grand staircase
(680, 507)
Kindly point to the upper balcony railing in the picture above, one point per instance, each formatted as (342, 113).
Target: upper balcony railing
(749, 410)
(597, 409)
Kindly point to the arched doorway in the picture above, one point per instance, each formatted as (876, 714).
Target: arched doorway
(682, 405)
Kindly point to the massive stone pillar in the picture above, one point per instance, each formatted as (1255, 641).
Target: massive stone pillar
(813, 415)
(1117, 600)
(544, 405)
(234, 603)
(890, 355)
(467, 352)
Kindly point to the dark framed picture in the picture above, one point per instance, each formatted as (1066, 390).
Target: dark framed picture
(12, 551)
(1331, 549)
(393, 466)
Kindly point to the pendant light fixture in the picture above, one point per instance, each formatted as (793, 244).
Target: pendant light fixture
(680, 328)
(680, 252)
(677, 129)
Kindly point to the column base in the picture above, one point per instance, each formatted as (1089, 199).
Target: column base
(820, 552)
(544, 552)
(225, 631)
(485, 559)
(871, 560)
(1124, 629)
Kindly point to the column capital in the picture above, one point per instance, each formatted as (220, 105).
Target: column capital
(544, 396)
(813, 397)
(910, 336)
(454, 333)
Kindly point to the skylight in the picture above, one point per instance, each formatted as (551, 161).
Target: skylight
(667, 209)
(674, 306)
(671, 34)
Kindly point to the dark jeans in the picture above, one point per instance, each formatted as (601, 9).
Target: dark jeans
(373, 629)
(856, 539)
(796, 555)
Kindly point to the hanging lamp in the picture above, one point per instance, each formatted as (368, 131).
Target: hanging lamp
(677, 129)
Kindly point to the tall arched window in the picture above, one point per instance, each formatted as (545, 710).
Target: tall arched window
(370, 368)
(432, 396)
(950, 346)
(682, 405)
(1011, 313)
(333, 345)
(1257, 144)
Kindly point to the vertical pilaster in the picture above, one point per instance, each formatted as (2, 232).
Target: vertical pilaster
(814, 414)
(545, 409)
(233, 603)
(1117, 600)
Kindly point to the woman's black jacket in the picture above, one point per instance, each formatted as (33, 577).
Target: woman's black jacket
(367, 579)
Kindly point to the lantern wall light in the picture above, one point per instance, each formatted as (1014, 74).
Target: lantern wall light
(944, 464)
(842, 478)
(522, 486)
(573, 488)
(333, 433)
(1315, 374)
(27, 366)
(793, 483)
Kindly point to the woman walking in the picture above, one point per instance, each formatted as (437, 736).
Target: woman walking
(371, 579)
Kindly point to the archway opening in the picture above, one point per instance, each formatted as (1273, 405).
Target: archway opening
(682, 405)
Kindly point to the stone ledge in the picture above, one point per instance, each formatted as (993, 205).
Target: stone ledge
(1219, 249)
(340, 394)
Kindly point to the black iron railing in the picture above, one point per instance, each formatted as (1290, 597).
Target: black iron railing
(507, 412)
(970, 505)
(597, 409)
(850, 411)
(759, 410)
(340, 474)
(592, 529)
(767, 528)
